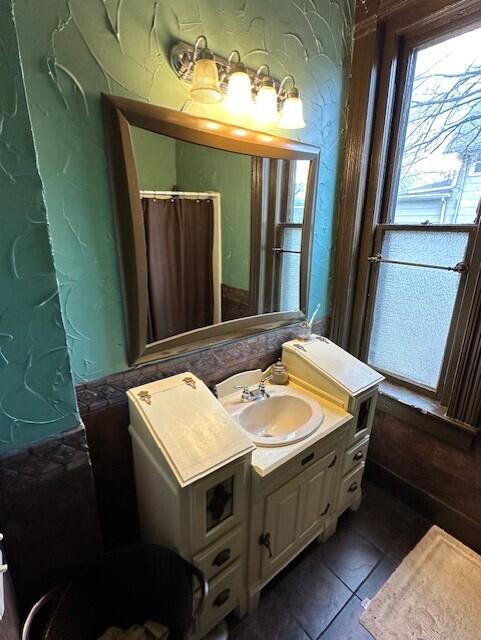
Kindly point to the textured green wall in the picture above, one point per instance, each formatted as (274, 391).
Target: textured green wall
(72, 51)
(36, 391)
(155, 159)
(203, 169)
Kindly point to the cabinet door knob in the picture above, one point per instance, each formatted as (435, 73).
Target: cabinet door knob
(221, 558)
(222, 598)
(353, 487)
(326, 509)
(358, 456)
(333, 463)
(265, 541)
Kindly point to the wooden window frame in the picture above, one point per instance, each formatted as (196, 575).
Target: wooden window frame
(385, 33)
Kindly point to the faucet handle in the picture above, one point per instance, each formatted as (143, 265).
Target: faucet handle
(262, 383)
(246, 394)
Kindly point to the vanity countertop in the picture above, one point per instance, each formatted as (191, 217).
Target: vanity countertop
(267, 459)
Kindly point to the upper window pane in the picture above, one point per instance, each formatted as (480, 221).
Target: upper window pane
(439, 181)
(299, 190)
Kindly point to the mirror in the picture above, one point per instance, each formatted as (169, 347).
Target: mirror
(214, 224)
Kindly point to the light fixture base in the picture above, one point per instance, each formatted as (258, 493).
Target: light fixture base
(182, 63)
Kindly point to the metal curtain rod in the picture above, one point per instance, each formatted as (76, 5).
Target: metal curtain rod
(461, 267)
(182, 194)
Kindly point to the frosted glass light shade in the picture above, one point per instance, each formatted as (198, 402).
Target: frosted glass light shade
(239, 93)
(205, 82)
(265, 110)
(292, 115)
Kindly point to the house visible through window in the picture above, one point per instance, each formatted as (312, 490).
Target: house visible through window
(427, 227)
(477, 164)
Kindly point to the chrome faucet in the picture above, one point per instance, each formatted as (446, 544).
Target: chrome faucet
(248, 395)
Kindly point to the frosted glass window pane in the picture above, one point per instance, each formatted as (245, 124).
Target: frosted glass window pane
(414, 305)
(290, 270)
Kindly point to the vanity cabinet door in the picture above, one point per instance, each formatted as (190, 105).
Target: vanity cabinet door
(295, 512)
(317, 494)
(282, 523)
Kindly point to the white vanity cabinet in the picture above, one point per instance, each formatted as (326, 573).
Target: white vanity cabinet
(322, 366)
(192, 471)
(294, 504)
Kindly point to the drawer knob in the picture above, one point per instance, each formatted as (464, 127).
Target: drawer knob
(222, 598)
(358, 456)
(333, 463)
(221, 558)
(326, 509)
(353, 487)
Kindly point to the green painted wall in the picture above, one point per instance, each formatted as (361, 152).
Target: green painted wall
(36, 391)
(203, 169)
(155, 159)
(72, 51)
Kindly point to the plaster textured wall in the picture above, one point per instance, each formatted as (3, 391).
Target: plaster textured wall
(74, 49)
(36, 390)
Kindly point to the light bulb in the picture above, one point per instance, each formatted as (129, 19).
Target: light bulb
(205, 80)
(239, 91)
(265, 110)
(292, 115)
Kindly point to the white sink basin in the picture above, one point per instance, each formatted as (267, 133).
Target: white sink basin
(287, 416)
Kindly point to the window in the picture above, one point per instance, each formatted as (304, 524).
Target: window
(407, 288)
(422, 249)
(287, 223)
(289, 234)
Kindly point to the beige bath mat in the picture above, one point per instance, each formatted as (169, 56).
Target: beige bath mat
(434, 594)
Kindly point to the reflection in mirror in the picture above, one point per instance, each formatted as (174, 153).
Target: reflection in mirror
(209, 258)
(196, 203)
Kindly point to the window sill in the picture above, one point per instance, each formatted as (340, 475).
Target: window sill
(424, 413)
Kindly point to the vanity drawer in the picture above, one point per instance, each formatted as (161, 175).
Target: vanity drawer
(355, 455)
(350, 488)
(219, 555)
(331, 445)
(223, 597)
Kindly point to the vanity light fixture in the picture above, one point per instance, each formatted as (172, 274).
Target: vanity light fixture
(212, 78)
(205, 78)
(292, 114)
(239, 88)
(265, 109)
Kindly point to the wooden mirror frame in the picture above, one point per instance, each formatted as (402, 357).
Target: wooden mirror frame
(120, 114)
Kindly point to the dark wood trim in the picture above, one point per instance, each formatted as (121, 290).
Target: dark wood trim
(120, 114)
(458, 434)
(362, 93)
(465, 400)
(462, 527)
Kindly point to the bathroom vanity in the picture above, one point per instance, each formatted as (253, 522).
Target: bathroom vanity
(240, 484)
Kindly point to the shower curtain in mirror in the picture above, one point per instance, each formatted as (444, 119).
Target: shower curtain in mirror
(179, 235)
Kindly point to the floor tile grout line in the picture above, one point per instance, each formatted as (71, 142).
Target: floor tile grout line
(383, 556)
(319, 637)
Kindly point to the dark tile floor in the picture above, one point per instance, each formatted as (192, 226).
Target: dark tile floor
(319, 595)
